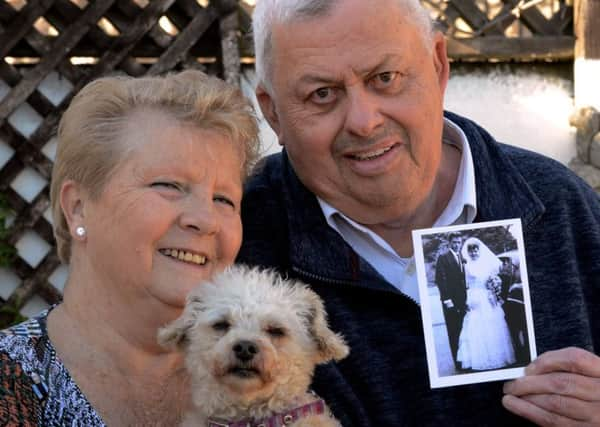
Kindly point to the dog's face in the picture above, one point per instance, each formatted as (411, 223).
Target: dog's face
(254, 334)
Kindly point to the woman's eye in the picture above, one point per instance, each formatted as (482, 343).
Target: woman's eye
(224, 200)
(167, 184)
(323, 95)
(275, 331)
(221, 326)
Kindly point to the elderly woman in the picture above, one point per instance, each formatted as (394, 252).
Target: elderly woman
(145, 193)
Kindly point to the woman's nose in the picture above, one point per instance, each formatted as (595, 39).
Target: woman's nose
(199, 215)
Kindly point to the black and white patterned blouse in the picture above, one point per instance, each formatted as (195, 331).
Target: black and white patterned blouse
(35, 386)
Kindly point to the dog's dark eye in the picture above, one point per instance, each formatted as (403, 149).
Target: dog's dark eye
(221, 326)
(275, 331)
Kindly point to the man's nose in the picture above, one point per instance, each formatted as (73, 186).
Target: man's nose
(200, 215)
(364, 112)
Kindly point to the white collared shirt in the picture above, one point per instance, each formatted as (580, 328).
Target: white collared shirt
(400, 272)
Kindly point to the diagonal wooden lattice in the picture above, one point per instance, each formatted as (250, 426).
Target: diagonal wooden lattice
(507, 29)
(66, 43)
(500, 30)
(80, 41)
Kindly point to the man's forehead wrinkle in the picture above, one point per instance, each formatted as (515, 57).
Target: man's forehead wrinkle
(364, 69)
(349, 75)
(316, 77)
(313, 29)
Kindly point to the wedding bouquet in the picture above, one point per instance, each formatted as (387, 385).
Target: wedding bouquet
(494, 286)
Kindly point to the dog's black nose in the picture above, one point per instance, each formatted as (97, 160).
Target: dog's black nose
(245, 350)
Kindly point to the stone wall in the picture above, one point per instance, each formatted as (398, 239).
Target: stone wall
(587, 163)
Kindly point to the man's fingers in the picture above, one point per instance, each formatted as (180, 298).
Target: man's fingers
(534, 413)
(561, 388)
(568, 407)
(559, 383)
(572, 359)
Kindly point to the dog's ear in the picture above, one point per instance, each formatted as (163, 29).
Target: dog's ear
(330, 346)
(174, 335)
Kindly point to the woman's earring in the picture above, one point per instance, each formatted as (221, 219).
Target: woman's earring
(80, 231)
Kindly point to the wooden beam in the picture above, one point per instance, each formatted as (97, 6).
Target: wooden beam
(563, 18)
(535, 20)
(230, 48)
(42, 46)
(470, 13)
(208, 47)
(503, 19)
(179, 49)
(119, 51)
(30, 285)
(21, 25)
(587, 30)
(497, 48)
(61, 48)
(503, 48)
(587, 53)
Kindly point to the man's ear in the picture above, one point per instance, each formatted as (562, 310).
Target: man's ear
(440, 60)
(72, 201)
(267, 106)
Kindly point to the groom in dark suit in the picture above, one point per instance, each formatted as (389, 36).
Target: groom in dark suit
(450, 279)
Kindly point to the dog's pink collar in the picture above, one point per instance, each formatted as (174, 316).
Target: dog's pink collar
(281, 419)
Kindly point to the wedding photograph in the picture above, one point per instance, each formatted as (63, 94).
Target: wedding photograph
(475, 302)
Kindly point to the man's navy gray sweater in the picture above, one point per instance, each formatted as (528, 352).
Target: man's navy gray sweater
(384, 382)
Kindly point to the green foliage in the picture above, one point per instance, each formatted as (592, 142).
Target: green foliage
(7, 252)
(9, 314)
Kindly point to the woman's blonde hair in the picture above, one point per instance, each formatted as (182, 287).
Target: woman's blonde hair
(90, 133)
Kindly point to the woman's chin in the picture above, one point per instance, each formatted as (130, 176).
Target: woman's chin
(171, 299)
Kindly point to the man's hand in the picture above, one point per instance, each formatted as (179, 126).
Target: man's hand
(561, 388)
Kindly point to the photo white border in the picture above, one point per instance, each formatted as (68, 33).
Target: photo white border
(469, 378)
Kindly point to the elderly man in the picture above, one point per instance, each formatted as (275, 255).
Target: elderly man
(354, 90)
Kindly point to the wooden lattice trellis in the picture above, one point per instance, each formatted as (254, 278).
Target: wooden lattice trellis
(506, 29)
(67, 43)
(80, 41)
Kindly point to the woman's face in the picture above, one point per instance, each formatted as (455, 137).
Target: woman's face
(169, 217)
(473, 252)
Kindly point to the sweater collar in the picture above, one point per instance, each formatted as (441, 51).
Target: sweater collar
(502, 192)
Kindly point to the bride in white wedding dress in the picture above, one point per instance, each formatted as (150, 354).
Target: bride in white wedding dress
(484, 341)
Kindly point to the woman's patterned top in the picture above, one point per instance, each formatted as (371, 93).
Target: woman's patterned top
(35, 386)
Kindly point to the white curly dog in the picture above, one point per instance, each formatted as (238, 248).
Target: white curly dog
(252, 340)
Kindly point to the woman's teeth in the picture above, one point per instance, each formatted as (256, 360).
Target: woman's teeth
(372, 154)
(185, 256)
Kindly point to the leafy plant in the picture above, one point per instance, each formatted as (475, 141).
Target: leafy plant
(9, 314)
(7, 251)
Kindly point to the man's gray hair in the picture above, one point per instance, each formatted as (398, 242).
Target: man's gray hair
(268, 13)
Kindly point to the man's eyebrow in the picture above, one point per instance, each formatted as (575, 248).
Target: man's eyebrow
(382, 63)
(315, 78)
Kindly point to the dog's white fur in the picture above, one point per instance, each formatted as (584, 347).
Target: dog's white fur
(284, 319)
